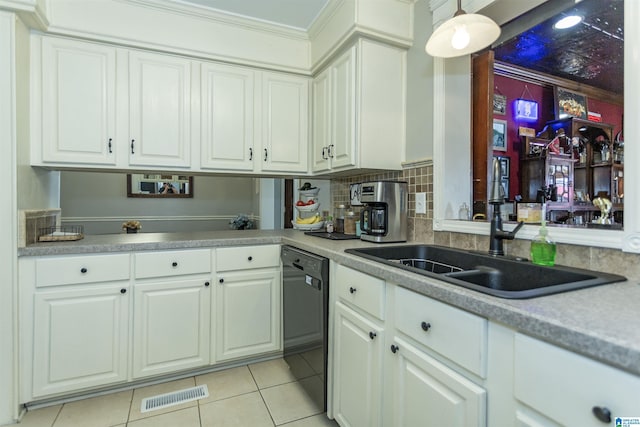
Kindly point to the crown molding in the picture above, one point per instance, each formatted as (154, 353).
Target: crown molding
(29, 12)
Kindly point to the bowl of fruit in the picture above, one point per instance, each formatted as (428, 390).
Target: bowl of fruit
(314, 222)
(310, 205)
(308, 190)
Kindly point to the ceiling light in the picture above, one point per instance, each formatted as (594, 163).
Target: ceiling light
(567, 22)
(463, 34)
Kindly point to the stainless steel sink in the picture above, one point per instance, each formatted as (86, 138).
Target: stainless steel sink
(503, 277)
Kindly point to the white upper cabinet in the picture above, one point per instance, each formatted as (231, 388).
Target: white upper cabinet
(342, 150)
(321, 122)
(97, 106)
(334, 114)
(160, 110)
(227, 111)
(78, 103)
(359, 110)
(285, 123)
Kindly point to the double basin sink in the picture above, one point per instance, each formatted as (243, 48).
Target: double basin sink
(498, 276)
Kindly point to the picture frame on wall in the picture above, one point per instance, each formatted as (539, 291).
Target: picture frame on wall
(504, 162)
(504, 166)
(499, 104)
(570, 104)
(499, 142)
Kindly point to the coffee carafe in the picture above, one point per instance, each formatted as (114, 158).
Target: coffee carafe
(384, 216)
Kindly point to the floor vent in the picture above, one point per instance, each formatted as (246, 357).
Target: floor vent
(174, 398)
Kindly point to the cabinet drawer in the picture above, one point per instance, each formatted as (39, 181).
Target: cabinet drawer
(360, 290)
(71, 270)
(565, 386)
(172, 263)
(246, 257)
(451, 332)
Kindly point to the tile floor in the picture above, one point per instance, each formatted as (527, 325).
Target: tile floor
(261, 394)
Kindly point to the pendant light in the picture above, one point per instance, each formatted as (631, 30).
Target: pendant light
(463, 34)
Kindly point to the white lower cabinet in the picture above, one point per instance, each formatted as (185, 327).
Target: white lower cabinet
(247, 313)
(80, 337)
(401, 359)
(246, 319)
(555, 387)
(171, 326)
(358, 370)
(426, 393)
(89, 321)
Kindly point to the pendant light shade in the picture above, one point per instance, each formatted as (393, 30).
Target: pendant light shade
(463, 34)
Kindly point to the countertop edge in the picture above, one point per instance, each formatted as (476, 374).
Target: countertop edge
(576, 321)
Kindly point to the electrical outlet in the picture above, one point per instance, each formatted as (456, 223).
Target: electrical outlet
(421, 203)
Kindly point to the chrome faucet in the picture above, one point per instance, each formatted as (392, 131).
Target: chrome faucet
(496, 198)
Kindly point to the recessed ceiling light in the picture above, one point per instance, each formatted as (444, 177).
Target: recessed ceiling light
(567, 22)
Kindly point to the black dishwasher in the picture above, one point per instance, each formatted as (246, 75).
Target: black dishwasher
(305, 306)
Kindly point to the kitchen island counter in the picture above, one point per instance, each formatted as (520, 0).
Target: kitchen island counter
(600, 322)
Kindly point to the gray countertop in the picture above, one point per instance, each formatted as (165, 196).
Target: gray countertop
(602, 322)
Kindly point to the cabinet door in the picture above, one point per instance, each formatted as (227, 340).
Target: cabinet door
(321, 121)
(357, 375)
(78, 102)
(227, 118)
(342, 149)
(585, 386)
(428, 394)
(160, 105)
(80, 338)
(285, 123)
(247, 314)
(171, 326)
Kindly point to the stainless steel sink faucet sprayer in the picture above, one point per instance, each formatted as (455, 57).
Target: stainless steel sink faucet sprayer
(496, 245)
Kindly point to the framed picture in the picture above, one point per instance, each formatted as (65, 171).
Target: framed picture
(499, 104)
(499, 135)
(504, 167)
(570, 104)
(504, 173)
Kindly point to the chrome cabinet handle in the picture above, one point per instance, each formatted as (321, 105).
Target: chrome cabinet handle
(331, 150)
(324, 153)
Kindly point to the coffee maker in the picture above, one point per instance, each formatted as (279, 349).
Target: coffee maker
(384, 217)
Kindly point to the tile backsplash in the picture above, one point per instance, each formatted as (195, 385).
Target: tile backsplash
(419, 176)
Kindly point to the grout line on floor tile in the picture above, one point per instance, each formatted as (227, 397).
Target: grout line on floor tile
(133, 392)
(57, 415)
(273, 421)
(288, 382)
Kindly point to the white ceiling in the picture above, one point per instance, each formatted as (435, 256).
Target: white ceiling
(291, 13)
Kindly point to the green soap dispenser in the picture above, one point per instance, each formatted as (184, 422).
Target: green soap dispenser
(543, 249)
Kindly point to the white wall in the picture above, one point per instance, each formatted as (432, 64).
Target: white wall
(420, 88)
(8, 219)
(99, 202)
